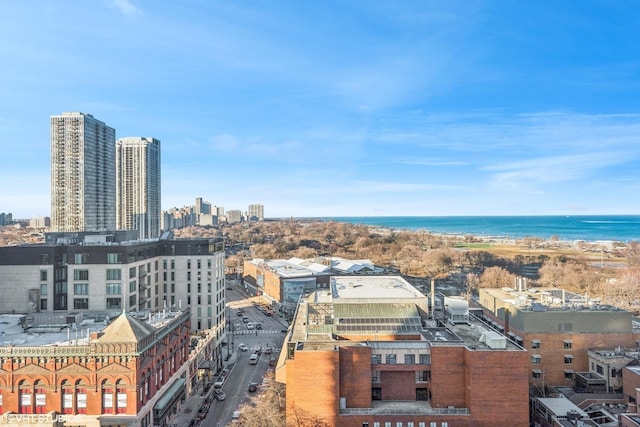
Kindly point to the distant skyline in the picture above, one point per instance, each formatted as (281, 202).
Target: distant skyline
(338, 108)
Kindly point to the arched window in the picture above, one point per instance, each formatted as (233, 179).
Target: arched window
(25, 392)
(67, 397)
(81, 397)
(121, 402)
(41, 397)
(107, 397)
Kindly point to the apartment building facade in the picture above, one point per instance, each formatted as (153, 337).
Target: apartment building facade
(83, 174)
(372, 356)
(109, 272)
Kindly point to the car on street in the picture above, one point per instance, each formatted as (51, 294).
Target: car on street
(272, 362)
(253, 387)
(249, 325)
(268, 313)
(243, 347)
(245, 319)
(258, 325)
(268, 350)
(219, 395)
(257, 350)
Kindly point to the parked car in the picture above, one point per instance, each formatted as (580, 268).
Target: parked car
(245, 319)
(219, 395)
(268, 313)
(258, 325)
(243, 347)
(249, 325)
(253, 387)
(272, 362)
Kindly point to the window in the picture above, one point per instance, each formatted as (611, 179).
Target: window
(114, 288)
(444, 424)
(81, 303)
(423, 376)
(409, 423)
(132, 300)
(81, 288)
(535, 359)
(390, 359)
(113, 258)
(44, 258)
(568, 374)
(376, 359)
(132, 286)
(375, 376)
(114, 303)
(43, 304)
(409, 359)
(535, 343)
(568, 344)
(44, 289)
(568, 359)
(425, 359)
(398, 423)
(132, 272)
(114, 274)
(537, 373)
(43, 275)
(365, 424)
(80, 274)
(387, 424)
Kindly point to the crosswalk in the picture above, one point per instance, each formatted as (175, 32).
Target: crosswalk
(256, 332)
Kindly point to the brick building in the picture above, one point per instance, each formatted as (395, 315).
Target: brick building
(558, 328)
(366, 352)
(129, 373)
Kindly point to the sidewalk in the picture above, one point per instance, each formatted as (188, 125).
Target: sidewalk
(196, 406)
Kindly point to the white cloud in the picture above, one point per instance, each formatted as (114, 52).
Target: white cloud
(126, 7)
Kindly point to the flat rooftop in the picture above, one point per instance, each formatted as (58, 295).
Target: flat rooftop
(19, 330)
(369, 288)
(548, 299)
(285, 268)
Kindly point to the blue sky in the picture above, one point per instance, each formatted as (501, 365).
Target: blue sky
(338, 108)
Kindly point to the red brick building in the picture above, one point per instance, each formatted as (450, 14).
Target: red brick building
(130, 373)
(365, 352)
(558, 328)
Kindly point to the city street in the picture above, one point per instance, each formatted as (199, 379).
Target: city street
(242, 373)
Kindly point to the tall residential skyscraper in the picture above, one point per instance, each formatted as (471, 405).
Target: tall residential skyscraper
(138, 185)
(83, 173)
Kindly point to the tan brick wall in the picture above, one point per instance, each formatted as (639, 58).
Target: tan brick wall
(497, 391)
(355, 376)
(447, 377)
(312, 386)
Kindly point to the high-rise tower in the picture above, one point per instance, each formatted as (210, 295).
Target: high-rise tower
(83, 173)
(138, 185)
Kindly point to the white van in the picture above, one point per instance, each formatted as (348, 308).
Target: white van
(253, 359)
